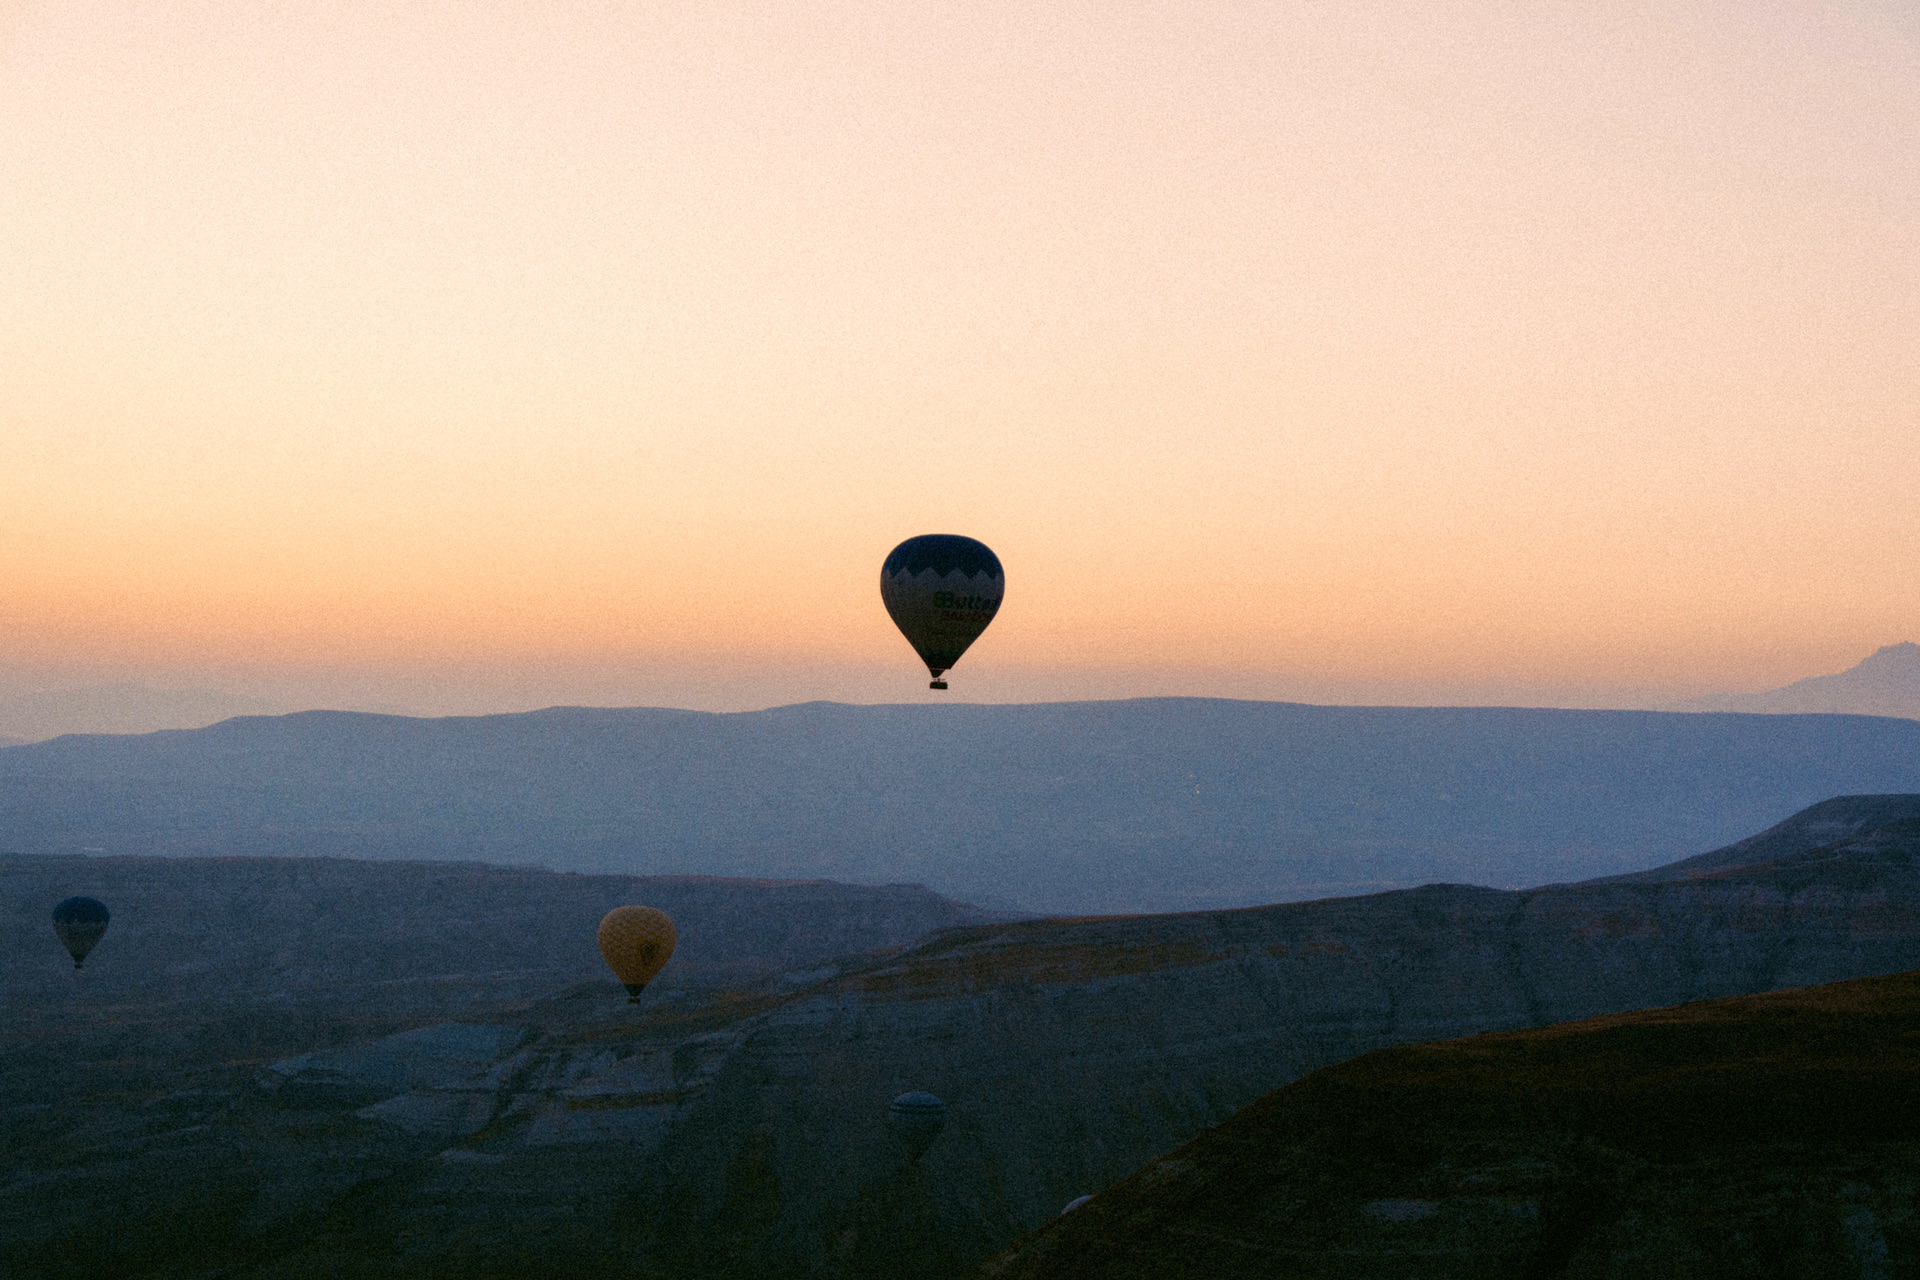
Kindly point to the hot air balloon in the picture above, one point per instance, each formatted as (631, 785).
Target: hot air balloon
(636, 942)
(916, 1119)
(80, 922)
(941, 591)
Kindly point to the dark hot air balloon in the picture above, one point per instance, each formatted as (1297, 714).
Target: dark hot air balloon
(941, 591)
(636, 943)
(916, 1120)
(80, 923)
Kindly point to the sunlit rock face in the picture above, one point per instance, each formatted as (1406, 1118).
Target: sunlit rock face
(725, 1132)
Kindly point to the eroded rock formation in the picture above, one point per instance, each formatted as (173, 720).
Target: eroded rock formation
(732, 1133)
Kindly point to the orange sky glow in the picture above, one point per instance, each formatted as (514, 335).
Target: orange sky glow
(477, 356)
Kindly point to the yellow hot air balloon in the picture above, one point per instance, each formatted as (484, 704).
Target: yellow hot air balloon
(636, 942)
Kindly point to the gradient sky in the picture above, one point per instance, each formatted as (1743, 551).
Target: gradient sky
(453, 356)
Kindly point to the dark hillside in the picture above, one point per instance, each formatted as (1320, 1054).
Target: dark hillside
(1158, 804)
(1767, 1135)
(1834, 823)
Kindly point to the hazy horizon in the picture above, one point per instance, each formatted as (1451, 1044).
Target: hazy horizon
(1885, 684)
(465, 693)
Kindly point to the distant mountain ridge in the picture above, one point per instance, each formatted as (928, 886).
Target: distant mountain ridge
(1886, 683)
(1154, 804)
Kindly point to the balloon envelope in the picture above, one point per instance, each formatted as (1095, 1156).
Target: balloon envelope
(941, 591)
(80, 923)
(636, 943)
(916, 1120)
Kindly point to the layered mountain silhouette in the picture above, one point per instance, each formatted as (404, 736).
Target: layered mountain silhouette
(1887, 683)
(1157, 804)
(739, 1128)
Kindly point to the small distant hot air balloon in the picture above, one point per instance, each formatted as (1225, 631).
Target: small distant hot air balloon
(80, 923)
(916, 1119)
(636, 943)
(941, 591)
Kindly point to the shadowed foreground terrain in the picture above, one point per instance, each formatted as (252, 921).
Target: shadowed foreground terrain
(1767, 1135)
(739, 1128)
(132, 1145)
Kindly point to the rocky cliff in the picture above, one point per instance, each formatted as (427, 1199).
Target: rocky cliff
(727, 1133)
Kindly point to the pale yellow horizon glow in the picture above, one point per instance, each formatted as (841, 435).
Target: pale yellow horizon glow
(1356, 352)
